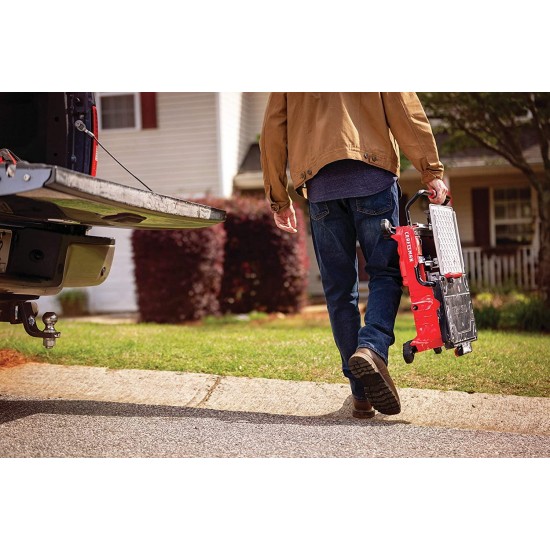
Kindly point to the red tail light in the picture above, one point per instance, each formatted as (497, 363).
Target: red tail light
(95, 131)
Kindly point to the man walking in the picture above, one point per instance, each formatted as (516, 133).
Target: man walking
(342, 150)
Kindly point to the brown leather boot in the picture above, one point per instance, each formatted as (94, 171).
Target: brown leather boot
(370, 369)
(362, 408)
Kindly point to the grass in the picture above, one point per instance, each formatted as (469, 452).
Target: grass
(290, 348)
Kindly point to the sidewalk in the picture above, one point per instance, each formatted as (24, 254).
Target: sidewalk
(450, 409)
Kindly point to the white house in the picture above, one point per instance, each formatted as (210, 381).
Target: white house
(192, 144)
(183, 144)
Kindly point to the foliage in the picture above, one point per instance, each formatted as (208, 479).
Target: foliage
(178, 273)
(404, 162)
(506, 124)
(500, 122)
(511, 311)
(531, 316)
(487, 317)
(73, 302)
(265, 268)
(244, 265)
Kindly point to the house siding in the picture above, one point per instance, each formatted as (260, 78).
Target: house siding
(460, 187)
(256, 102)
(118, 292)
(230, 105)
(195, 150)
(178, 158)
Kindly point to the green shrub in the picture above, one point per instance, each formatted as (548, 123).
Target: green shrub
(487, 317)
(512, 310)
(73, 302)
(528, 315)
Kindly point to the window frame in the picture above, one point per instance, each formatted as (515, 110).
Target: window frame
(512, 221)
(137, 111)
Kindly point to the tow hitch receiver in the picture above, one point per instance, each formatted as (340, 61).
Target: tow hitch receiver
(25, 312)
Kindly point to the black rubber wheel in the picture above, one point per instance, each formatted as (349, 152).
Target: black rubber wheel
(408, 352)
(438, 350)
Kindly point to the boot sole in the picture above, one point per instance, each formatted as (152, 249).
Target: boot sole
(377, 390)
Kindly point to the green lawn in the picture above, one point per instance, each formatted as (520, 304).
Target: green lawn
(291, 348)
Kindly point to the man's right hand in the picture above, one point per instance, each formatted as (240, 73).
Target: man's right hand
(285, 219)
(439, 190)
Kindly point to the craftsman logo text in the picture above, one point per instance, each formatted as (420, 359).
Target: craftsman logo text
(409, 247)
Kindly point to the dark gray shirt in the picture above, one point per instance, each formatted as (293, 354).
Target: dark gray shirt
(348, 178)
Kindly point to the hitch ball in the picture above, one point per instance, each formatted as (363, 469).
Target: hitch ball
(50, 334)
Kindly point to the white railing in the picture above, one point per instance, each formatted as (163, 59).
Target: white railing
(493, 269)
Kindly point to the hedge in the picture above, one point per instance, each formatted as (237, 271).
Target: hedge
(242, 265)
(511, 311)
(265, 269)
(178, 273)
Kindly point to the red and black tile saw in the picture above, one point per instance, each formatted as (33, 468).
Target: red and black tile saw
(432, 267)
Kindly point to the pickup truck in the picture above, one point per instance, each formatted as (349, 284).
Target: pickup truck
(50, 198)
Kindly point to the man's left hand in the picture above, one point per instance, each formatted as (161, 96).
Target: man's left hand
(285, 219)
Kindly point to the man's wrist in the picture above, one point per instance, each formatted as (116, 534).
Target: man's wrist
(276, 206)
(428, 177)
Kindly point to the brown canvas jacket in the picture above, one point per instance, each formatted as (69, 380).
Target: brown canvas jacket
(310, 130)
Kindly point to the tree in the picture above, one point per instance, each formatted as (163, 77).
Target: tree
(501, 122)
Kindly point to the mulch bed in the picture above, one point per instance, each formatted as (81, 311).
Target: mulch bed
(11, 358)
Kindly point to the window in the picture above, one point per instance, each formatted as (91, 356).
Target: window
(119, 110)
(513, 216)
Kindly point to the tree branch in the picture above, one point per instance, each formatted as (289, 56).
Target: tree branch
(519, 163)
(495, 126)
(543, 141)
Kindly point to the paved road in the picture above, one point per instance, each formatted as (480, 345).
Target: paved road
(55, 411)
(69, 428)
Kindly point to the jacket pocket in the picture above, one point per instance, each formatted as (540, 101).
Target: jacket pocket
(318, 210)
(378, 203)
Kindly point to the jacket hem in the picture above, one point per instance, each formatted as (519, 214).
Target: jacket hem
(303, 175)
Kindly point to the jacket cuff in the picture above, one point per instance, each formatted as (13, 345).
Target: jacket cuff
(428, 176)
(276, 206)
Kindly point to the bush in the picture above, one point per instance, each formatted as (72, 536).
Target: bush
(487, 317)
(178, 273)
(511, 311)
(74, 302)
(245, 264)
(265, 269)
(530, 315)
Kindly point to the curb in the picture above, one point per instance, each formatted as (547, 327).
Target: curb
(450, 409)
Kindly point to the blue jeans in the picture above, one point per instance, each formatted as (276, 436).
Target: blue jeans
(336, 227)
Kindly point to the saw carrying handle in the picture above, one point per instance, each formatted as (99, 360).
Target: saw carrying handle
(417, 195)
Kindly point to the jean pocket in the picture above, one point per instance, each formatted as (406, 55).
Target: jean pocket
(318, 210)
(379, 203)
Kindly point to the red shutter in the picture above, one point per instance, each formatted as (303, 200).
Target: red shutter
(148, 109)
(482, 217)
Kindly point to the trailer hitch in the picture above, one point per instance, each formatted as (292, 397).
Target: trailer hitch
(25, 312)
